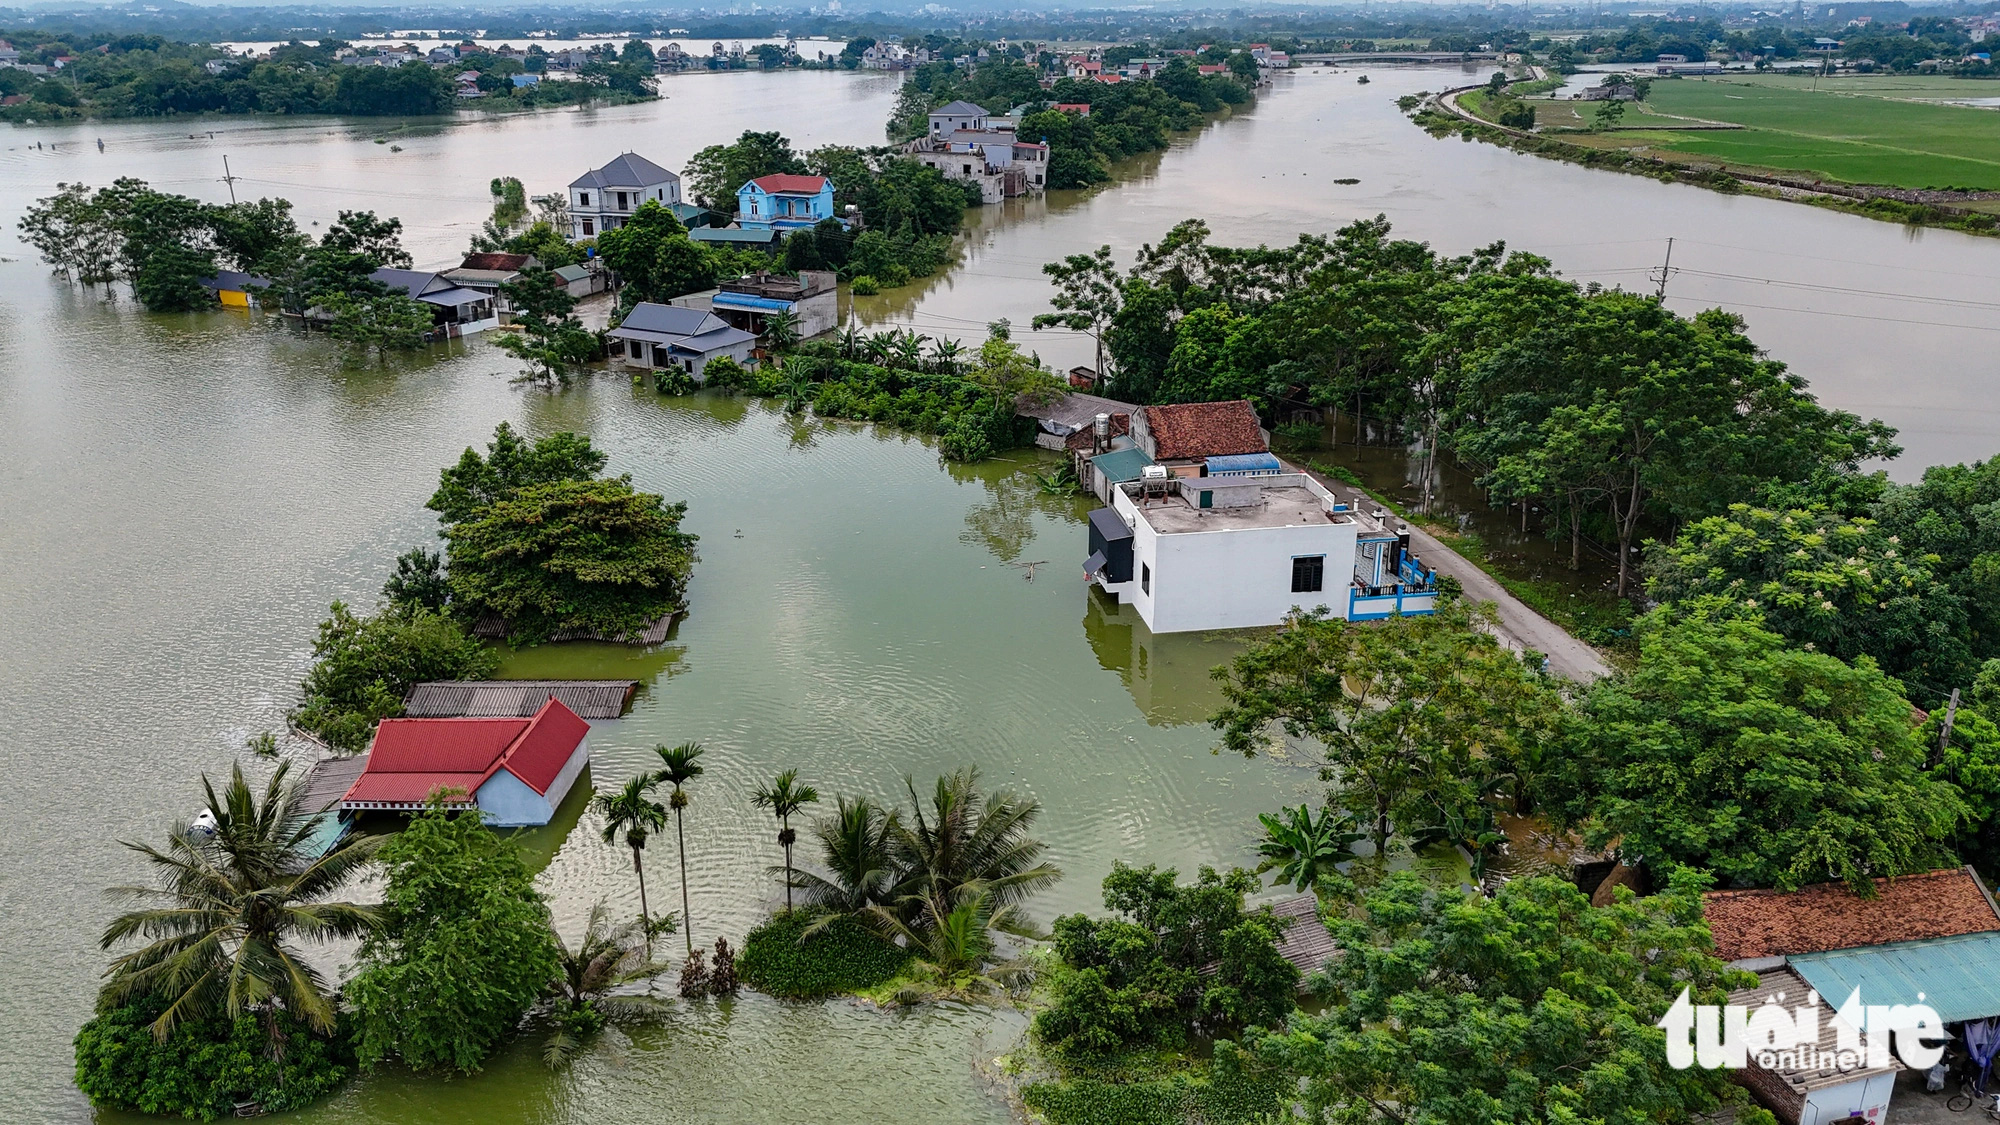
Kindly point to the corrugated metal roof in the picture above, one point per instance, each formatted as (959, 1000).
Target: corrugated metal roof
(1243, 463)
(453, 699)
(328, 781)
(1121, 465)
(1307, 943)
(1955, 974)
(1785, 987)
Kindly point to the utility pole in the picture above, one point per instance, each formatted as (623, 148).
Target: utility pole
(229, 178)
(1944, 732)
(1665, 271)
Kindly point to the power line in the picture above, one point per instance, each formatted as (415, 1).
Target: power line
(1856, 316)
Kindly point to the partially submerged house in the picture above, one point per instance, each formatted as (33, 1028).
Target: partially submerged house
(964, 143)
(455, 309)
(1242, 551)
(811, 296)
(1932, 938)
(515, 771)
(236, 289)
(604, 198)
(660, 336)
(487, 272)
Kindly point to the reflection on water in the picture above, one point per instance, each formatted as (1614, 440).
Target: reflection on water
(1167, 673)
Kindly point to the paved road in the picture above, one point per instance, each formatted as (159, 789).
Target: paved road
(1520, 626)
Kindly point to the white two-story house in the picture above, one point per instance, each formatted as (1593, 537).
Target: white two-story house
(603, 199)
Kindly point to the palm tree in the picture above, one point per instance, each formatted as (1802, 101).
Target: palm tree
(678, 766)
(604, 959)
(1304, 850)
(952, 939)
(230, 903)
(785, 796)
(781, 330)
(861, 872)
(633, 812)
(967, 837)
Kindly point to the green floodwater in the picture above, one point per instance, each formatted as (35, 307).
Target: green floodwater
(185, 495)
(181, 496)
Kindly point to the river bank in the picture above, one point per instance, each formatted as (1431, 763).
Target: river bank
(1443, 114)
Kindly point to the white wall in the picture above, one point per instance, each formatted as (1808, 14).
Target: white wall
(1235, 579)
(1868, 1099)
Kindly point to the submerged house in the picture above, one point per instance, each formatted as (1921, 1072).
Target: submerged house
(455, 309)
(516, 771)
(1932, 938)
(748, 302)
(1241, 551)
(670, 336)
(236, 289)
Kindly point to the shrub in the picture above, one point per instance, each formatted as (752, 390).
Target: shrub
(1218, 1094)
(723, 373)
(864, 286)
(843, 957)
(206, 1065)
(364, 666)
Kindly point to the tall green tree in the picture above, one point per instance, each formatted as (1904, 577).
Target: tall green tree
(363, 667)
(223, 924)
(1953, 516)
(714, 173)
(632, 813)
(510, 464)
(1829, 583)
(855, 849)
(593, 557)
(785, 796)
(551, 337)
(1423, 718)
(1528, 1006)
(1087, 297)
(383, 321)
(1728, 750)
(678, 766)
(964, 835)
(465, 949)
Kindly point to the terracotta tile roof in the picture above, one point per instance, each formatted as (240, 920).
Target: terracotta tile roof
(785, 182)
(1204, 429)
(494, 260)
(1827, 916)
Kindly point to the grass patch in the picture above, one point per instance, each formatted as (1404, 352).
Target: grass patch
(1196, 1093)
(845, 957)
(1837, 136)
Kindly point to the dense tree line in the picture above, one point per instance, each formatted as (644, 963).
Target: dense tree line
(150, 76)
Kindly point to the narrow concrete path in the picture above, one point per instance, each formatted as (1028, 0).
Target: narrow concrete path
(1520, 627)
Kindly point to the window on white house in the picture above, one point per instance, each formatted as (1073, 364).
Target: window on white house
(1145, 578)
(1308, 574)
(589, 227)
(583, 199)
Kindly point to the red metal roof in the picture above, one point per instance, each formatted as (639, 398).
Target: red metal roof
(412, 758)
(785, 182)
(1204, 429)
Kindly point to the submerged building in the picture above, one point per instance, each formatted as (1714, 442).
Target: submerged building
(1242, 551)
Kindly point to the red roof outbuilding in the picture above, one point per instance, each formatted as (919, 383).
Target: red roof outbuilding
(1828, 916)
(1190, 430)
(413, 758)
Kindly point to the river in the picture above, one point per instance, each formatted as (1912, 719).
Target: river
(183, 495)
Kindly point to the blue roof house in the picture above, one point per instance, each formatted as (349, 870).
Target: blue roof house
(784, 202)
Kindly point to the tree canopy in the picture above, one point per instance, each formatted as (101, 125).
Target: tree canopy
(465, 950)
(1728, 751)
(363, 667)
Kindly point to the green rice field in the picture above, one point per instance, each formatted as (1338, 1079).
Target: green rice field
(1873, 138)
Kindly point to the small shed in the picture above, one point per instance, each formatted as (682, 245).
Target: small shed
(1813, 1088)
(457, 699)
(1242, 465)
(1307, 943)
(580, 281)
(1115, 468)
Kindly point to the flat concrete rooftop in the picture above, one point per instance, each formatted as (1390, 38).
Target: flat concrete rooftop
(1283, 506)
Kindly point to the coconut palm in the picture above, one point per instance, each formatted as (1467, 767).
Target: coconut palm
(1304, 850)
(233, 897)
(952, 940)
(969, 837)
(633, 812)
(678, 766)
(785, 796)
(861, 872)
(605, 958)
(781, 330)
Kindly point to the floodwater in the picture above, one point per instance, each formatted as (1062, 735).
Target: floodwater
(181, 496)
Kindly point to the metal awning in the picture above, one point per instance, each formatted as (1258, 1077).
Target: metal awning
(726, 299)
(452, 298)
(1122, 465)
(1955, 974)
(1108, 525)
(1094, 563)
